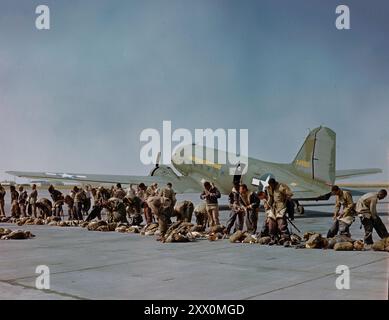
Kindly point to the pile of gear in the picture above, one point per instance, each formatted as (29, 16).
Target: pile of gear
(8, 234)
(311, 240)
(123, 228)
(5, 219)
(105, 226)
(215, 233)
(100, 225)
(51, 221)
(150, 229)
(245, 237)
(341, 243)
(180, 231)
(381, 245)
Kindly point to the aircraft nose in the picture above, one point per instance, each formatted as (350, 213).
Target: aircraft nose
(175, 158)
(180, 156)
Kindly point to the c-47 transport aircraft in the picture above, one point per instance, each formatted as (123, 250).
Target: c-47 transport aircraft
(310, 175)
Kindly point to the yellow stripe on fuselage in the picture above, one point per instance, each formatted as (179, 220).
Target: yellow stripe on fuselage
(206, 162)
(303, 163)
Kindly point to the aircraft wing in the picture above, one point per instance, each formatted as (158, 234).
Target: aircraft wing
(365, 185)
(181, 184)
(344, 174)
(301, 192)
(355, 190)
(306, 195)
(359, 189)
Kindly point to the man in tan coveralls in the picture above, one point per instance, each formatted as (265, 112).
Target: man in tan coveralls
(210, 195)
(169, 193)
(342, 221)
(31, 201)
(149, 192)
(161, 205)
(165, 209)
(141, 194)
(278, 195)
(79, 199)
(183, 210)
(366, 209)
(152, 190)
(201, 214)
(119, 192)
(250, 203)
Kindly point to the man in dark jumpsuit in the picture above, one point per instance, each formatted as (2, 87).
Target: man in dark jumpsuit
(58, 201)
(236, 218)
(15, 210)
(31, 201)
(2, 202)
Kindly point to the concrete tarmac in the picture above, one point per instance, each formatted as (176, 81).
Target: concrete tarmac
(98, 265)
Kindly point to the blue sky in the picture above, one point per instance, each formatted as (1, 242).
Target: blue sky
(75, 98)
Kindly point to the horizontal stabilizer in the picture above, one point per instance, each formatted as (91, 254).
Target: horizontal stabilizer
(344, 174)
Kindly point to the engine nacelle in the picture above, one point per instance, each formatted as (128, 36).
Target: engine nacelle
(163, 171)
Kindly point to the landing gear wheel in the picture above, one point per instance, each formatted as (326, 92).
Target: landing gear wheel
(298, 208)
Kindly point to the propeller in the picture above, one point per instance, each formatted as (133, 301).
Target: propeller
(157, 161)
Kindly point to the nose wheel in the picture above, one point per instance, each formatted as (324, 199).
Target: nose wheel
(298, 208)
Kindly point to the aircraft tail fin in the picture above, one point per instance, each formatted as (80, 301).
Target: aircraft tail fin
(317, 156)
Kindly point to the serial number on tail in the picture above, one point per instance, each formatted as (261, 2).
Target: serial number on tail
(303, 163)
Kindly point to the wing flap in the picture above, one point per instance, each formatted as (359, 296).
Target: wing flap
(301, 192)
(344, 174)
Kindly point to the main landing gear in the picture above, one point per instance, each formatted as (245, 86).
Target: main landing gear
(298, 207)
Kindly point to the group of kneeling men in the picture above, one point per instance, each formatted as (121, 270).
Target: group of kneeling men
(127, 206)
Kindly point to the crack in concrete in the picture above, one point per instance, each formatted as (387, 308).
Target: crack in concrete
(310, 280)
(79, 270)
(48, 291)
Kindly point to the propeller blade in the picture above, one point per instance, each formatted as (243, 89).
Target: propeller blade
(158, 159)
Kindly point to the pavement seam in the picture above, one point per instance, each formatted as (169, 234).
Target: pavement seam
(310, 280)
(63, 294)
(75, 270)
